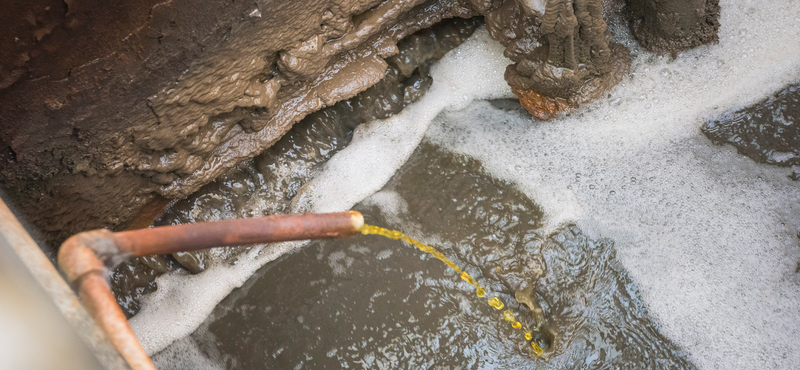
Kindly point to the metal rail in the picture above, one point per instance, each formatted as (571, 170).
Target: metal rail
(86, 257)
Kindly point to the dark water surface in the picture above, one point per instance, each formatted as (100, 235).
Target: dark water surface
(372, 303)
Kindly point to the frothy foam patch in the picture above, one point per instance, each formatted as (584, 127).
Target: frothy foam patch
(708, 234)
(472, 71)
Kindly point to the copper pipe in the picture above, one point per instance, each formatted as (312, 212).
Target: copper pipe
(190, 237)
(96, 295)
(85, 258)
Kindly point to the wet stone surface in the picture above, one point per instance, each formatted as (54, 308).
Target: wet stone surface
(768, 132)
(267, 185)
(371, 302)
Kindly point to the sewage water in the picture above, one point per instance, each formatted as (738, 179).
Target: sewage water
(708, 236)
(372, 302)
(768, 132)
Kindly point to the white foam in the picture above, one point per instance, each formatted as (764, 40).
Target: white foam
(707, 234)
(472, 71)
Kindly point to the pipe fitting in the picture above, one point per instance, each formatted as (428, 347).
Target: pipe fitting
(87, 252)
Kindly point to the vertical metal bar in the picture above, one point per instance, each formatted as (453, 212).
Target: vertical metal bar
(100, 302)
(54, 285)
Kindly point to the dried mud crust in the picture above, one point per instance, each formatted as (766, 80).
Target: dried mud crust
(767, 132)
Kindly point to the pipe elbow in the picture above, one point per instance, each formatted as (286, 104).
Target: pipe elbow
(85, 253)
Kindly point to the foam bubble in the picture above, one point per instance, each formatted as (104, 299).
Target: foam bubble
(183, 301)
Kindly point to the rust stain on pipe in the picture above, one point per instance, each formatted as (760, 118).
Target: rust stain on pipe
(84, 258)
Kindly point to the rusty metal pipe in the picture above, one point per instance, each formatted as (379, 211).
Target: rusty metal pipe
(86, 257)
(96, 295)
(278, 228)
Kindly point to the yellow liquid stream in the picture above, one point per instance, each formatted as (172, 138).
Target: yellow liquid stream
(480, 291)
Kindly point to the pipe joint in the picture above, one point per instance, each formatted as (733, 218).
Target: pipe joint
(89, 252)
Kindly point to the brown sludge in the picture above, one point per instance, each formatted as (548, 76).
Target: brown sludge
(540, 106)
(110, 109)
(676, 25)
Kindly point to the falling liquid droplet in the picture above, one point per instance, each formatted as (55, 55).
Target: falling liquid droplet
(495, 302)
(536, 349)
(480, 291)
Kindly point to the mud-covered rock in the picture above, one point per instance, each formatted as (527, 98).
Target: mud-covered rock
(768, 131)
(674, 25)
(563, 53)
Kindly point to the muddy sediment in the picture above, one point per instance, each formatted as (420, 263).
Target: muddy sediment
(267, 184)
(767, 132)
(376, 303)
(669, 27)
(567, 60)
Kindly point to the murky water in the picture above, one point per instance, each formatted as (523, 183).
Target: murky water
(371, 302)
(768, 132)
(532, 332)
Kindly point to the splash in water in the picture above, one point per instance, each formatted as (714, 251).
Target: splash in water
(480, 291)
